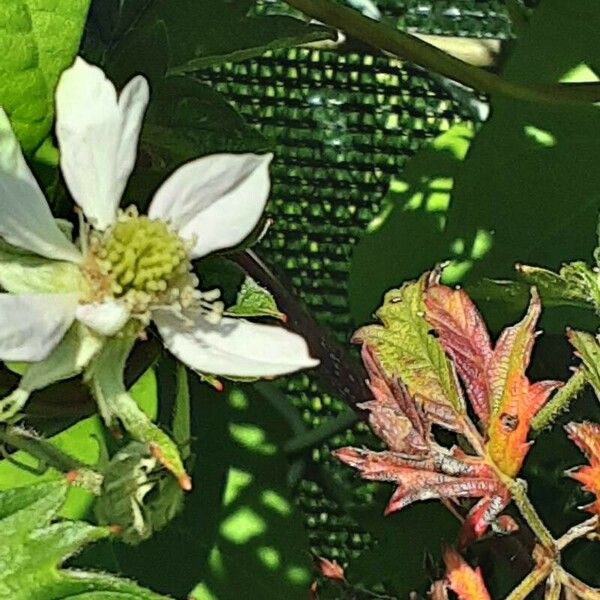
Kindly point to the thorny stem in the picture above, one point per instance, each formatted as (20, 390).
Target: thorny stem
(409, 47)
(49, 455)
(577, 531)
(520, 498)
(560, 401)
(532, 580)
(582, 590)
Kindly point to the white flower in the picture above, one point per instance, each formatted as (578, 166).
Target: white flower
(129, 269)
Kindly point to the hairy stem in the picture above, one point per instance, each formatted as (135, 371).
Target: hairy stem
(520, 498)
(581, 590)
(560, 401)
(409, 47)
(530, 582)
(577, 531)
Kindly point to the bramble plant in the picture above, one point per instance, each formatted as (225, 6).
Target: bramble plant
(431, 336)
(202, 203)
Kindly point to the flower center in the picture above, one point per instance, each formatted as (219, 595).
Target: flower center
(146, 265)
(142, 255)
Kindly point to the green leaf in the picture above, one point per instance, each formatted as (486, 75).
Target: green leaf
(249, 535)
(406, 348)
(575, 285)
(227, 33)
(588, 349)
(255, 301)
(33, 549)
(39, 40)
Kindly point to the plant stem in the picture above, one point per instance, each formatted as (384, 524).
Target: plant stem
(49, 455)
(519, 495)
(582, 590)
(559, 402)
(404, 45)
(530, 582)
(577, 531)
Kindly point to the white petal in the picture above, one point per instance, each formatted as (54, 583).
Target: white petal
(106, 318)
(217, 199)
(26, 221)
(98, 137)
(31, 325)
(235, 347)
(11, 157)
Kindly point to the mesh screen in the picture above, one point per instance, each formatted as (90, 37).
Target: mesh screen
(343, 124)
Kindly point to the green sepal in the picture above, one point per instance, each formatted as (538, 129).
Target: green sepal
(588, 349)
(105, 377)
(255, 301)
(68, 359)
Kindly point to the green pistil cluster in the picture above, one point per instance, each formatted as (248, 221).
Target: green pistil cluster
(142, 255)
(144, 264)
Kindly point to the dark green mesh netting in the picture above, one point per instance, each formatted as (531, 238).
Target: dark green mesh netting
(344, 123)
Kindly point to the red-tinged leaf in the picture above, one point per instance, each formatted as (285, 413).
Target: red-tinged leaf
(467, 583)
(426, 485)
(481, 516)
(465, 339)
(587, 437)
(439, 475)
(331, 570)
(406, 349)
(393, 415)
(514, 400)
(512, 354)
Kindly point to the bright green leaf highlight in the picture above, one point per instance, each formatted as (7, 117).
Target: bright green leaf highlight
(242, 526)
(39, 40)
(274, 501)
(237, 481)
(269, 557)
(540, 136)
(251, 437)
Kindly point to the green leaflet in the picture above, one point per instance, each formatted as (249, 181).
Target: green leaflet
(228, 32)
(406, 348)
(33, 549)
(575, 284)
(38, 40)
(588, 349)
(255, 301)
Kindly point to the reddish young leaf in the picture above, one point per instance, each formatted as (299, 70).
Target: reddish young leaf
(331, 570)
(438, 474)
(482, 515)
(393, 415)
(587, 437)
(465, 339)
(514, 400)
(467, 583)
